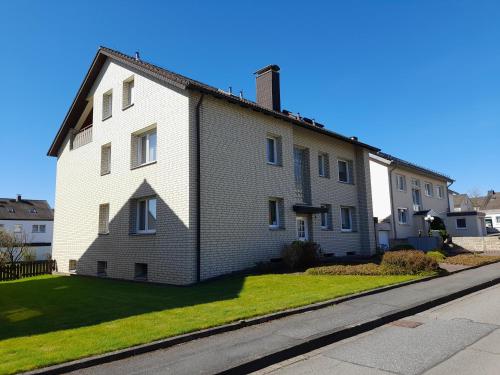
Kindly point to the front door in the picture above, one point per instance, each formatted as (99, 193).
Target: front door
(302, 228)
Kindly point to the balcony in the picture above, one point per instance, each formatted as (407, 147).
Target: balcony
(82, 138)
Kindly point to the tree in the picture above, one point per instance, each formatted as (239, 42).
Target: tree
(13, 247)
(475, 192)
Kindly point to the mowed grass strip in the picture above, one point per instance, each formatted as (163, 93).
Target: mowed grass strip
(52, 319)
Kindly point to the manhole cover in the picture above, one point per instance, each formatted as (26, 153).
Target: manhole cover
(406, 323)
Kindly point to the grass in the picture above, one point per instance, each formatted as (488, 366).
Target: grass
(471, 259)
(52, 319)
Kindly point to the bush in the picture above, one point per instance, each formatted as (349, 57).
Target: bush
(438, 255)
(472, 259)
(405, 246)
(367, 269)
(408, 262)
(300, 254)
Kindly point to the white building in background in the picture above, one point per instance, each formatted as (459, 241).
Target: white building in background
(32, 219)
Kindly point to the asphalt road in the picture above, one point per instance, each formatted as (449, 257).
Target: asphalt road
(461, 337)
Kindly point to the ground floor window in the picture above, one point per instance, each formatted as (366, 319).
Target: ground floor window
(326, 217)
(146, 215)
(461, 224)
(403, 215)
(346, 219)
(275, 208)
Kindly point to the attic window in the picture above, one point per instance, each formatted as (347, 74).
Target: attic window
(33, 211)
(11, 210)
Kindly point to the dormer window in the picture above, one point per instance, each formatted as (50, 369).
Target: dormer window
(11, 210)
(33, 211)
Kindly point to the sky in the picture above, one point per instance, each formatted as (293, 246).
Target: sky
(418, 79)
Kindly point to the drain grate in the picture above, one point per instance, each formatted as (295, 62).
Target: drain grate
(406, 323)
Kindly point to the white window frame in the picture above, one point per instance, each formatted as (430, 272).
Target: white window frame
(428, 193)
(146, 213)
(440, 191)
(106, 151)
(322, 164)
(342, 229)
(324, 217)
(401, 182)
(139, 138)
(348, 173)
(456, 223)
(128, 85)
(34, 228)
(102, 230)
(107, 94)
(405, 210)
(276, 212)
(42, 228)
(497, 219)
(275, 150)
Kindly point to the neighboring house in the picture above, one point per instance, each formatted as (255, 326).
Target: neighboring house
(166, 179)
(31, 220)
(405, 194)
(461, 203)
(490, 206)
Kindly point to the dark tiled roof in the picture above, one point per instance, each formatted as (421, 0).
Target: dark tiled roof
(25, 209)
(493, 202)
(458, 199)
(407, 164)
(181, 82)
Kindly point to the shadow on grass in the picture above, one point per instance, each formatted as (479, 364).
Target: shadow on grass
(47, 304)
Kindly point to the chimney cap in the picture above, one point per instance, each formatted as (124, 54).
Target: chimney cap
(273, 67)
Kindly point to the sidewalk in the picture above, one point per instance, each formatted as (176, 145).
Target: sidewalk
(255, 347)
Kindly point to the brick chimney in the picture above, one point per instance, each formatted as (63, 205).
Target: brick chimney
(18, 198)
(268, 87)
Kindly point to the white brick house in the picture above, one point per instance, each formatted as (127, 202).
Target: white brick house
(163, 178)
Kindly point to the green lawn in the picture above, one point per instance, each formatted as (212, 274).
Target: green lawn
(52, 319)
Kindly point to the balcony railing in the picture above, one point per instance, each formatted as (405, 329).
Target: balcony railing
(417, 207)
(82, 138)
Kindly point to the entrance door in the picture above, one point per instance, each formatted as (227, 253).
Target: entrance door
(302, 228)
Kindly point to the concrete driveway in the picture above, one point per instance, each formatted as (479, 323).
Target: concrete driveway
(461, 337)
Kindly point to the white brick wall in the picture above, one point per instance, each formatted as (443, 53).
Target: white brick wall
(236, 183)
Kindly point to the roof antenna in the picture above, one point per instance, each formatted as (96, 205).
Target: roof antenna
(231, 90)
(137, 57)
(241, 94)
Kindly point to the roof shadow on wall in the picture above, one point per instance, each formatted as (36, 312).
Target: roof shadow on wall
(30, 307)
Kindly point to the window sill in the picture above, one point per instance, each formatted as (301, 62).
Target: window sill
(276, 228)
(405, 224)
(274, 164)
(345, 182)
(105, 173)
(103, 234)
(143, 165)
(106, 118)
(127, 106)
(326, 229)
(140, 234)
(346, 231)
(327, 177)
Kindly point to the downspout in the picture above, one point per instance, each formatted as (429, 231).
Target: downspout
(198, 188)
(392, 201)
(448, 195)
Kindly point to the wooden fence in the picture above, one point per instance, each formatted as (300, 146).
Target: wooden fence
(20, 270)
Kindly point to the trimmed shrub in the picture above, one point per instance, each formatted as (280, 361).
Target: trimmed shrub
(300, 254)
(472, 259)
(405, 246)
(368, 269)
(437, 255)
(408, 262)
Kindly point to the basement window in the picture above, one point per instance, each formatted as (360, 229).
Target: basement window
(102, 268)
(72, 265)
(461, 224)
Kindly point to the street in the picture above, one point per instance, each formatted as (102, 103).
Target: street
(461, 337)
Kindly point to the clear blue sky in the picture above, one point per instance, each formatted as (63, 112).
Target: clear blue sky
(419, 79)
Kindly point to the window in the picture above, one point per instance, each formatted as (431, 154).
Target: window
(72, 265)
(146, 215)
(323, 165)
(11, 210)
(102, 268)
(401, 182)
(274, 213)
(428, 189)
(497, 220)
(38, 228)
(33, 211)
(18, 228)
(104, 219)
(141, 271)
(403, 215)
(415, 182)
(106, 159)
(326, 217)
(345, 171)
(461, 224)
(146, 148)
(107, 104)
(439, 192)
(346, 219)
(272, 150)
(128, 93)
